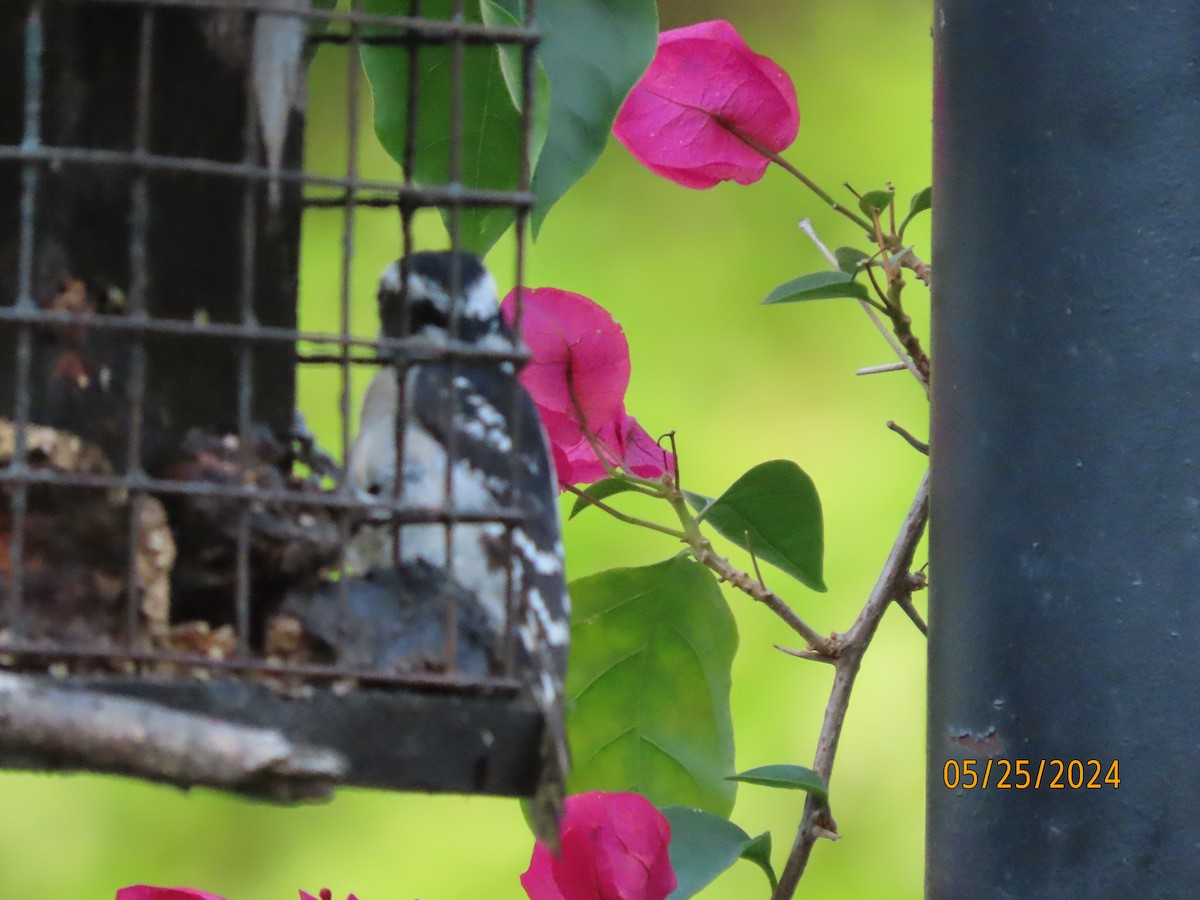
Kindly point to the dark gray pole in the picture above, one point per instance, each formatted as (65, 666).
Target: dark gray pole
(1065, 534)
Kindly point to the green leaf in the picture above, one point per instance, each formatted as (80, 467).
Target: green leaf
(848, 259)
(777, 503)
(605, 487)
(796, 778)
(703, 846)
(817, 286)
(510, 68)
(594, 52)
(758, 851)
(920, 202)
(698, 502)
(874, 202)
(491, 124)
(651, 654)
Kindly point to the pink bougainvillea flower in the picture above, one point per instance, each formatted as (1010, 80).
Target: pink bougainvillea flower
(637, 451)
(614, 847)
(576, 344)
(707, 99)
(562, 464)
(146, 892)
(624, 442)
(325, 894)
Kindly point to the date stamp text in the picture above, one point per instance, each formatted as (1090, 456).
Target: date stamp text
(1030, 774)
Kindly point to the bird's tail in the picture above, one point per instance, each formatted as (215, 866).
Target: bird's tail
(548, 657)
(546, 807)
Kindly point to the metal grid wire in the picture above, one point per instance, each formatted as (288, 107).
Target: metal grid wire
(134, 327)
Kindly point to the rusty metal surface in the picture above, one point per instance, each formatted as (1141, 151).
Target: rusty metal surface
(139, 245)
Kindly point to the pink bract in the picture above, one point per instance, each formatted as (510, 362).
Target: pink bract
(625, 443)
(147, 892)
(639, 452)
(575, 343)
(614, 847)
(705, 89)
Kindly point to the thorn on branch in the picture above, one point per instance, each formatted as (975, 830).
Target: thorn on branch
(918, 445)
(808, 653)
(906, 604)
(886, 367)
(825, 827)
(754, 560)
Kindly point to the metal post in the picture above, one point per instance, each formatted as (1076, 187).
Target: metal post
(1065, 534)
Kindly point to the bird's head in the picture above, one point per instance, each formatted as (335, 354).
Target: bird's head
(448, 294)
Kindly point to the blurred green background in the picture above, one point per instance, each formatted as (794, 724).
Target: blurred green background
(683, 272)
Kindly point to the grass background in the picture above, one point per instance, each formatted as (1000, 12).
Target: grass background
(683, 272)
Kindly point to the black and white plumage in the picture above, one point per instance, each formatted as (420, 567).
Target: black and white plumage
(501, 459)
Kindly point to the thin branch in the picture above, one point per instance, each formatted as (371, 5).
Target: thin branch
(918, 445)
(893, 583)
(705, 555)
(670, 435)
(641, 488)
(84, 730)
(875, 304)
(895, 345)
(807, 228)
(902, 326)
(883, 297)
(879, 370)
(801, 177)
(879, 238)
(702, 549)
(617, 514)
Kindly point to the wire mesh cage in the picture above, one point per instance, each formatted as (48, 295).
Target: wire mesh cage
(178, 598)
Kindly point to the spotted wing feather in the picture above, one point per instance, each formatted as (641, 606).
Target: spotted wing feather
(496, 430)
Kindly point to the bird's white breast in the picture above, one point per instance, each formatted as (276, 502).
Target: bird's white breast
(372, 474)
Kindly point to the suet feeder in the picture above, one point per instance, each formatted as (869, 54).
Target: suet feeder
(162, 515)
